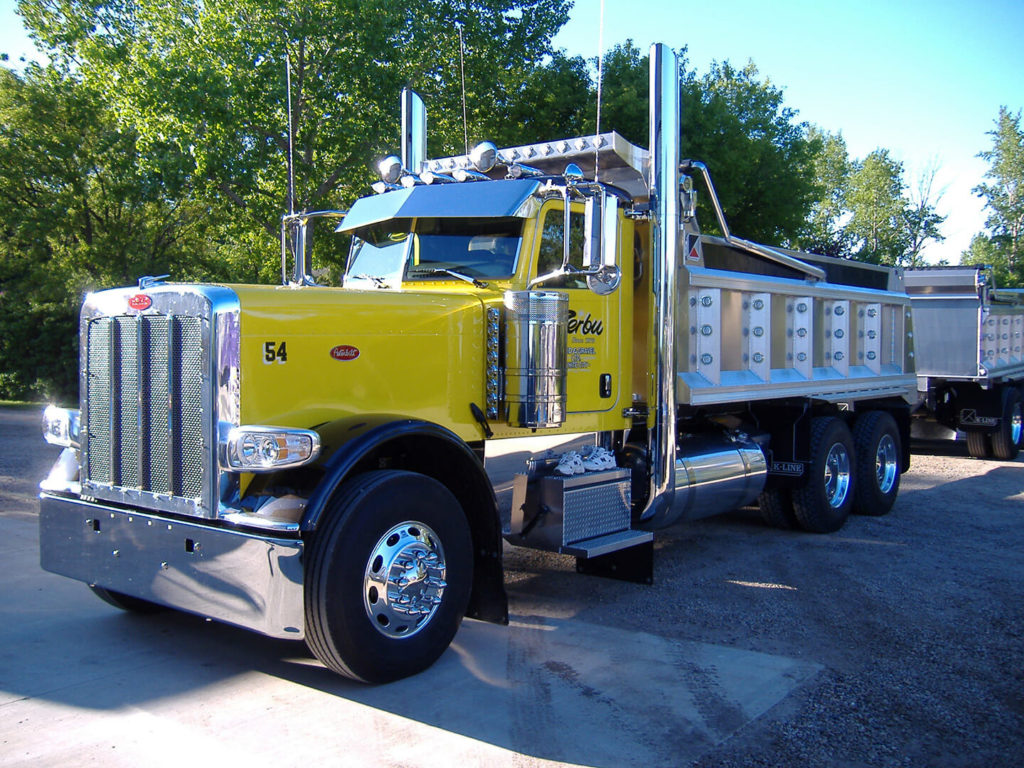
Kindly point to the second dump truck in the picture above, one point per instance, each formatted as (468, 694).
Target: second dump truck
(342, 464)
(970, 356)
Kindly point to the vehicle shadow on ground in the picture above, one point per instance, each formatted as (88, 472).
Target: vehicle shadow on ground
(547, 688)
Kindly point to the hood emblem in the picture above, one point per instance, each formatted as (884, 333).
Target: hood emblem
(140, 301)
(345, 352)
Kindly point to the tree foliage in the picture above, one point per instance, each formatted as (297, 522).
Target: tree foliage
(865, 209)
(160, 135)
(80, 212)
(206, 82)
(1002, 245)
(826, 232)
(735, 123)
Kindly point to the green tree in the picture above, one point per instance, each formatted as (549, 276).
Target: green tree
(1001, 245)
(826, 232)
(79, 212)
(983, 251)
(920, 218)
(876, 203)
(208, 80)
(758, 153)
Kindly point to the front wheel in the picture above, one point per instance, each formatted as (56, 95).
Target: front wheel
(126, 602)
(388, 576)
(824, 502)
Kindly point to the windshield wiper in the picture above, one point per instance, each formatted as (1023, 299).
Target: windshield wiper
(466, 278)
(377, 280)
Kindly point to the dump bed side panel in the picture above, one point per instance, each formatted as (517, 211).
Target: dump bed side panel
(750, 330)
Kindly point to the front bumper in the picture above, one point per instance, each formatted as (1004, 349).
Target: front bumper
(240, 578)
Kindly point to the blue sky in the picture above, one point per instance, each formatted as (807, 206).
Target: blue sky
(924, 80)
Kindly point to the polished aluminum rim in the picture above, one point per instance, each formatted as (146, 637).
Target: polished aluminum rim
(1015, 425)
(404, 580)
(837, 475)
(886, 463)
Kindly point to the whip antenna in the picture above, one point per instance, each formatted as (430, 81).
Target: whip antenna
(600, 77)
(462, 66)
(291, 141)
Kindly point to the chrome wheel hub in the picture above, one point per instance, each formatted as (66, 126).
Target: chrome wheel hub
(404, 581)
(886, 464)
(837, 475)
(1015, 425)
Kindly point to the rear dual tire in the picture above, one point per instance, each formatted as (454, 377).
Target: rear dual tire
(1005, 442)
(825, 501)
(876, 442)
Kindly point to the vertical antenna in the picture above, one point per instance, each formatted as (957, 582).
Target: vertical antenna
(462, 66)
(291, 142)
(600, 78)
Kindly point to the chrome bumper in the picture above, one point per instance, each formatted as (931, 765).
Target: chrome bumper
(239, 578)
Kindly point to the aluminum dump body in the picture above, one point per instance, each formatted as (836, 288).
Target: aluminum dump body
(753, 328)
(965, 329)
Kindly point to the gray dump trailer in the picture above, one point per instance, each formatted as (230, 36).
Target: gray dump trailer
(969, 355)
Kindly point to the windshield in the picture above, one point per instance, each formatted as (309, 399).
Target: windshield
(384, 254)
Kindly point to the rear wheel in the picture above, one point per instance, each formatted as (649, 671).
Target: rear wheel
(776, 506)
(979, 444)
(824, 502)
(388, 576)
(1007, 438)
(876, 442)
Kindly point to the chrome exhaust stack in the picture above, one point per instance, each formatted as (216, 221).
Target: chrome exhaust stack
(663, 185)
(414, 131)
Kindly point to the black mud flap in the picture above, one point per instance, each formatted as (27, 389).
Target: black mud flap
(635, 564)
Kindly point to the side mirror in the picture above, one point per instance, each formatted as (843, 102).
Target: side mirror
(601, 242)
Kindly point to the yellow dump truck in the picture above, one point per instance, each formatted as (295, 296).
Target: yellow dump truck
(531, 345)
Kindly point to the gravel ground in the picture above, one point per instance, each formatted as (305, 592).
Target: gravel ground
(917, 618)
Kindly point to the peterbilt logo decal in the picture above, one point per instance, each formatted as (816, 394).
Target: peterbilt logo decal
(345, 352)
(140, 301)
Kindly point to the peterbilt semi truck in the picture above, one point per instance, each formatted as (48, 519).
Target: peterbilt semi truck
(530, 345)
(970, 357)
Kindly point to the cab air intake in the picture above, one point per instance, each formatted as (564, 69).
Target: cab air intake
(536, 340)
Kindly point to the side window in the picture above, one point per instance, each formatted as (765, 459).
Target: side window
(550, 257)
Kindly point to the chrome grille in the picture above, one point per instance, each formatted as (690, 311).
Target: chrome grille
(144, 399)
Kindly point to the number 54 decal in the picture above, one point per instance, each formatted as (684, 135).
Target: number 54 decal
(274, 352)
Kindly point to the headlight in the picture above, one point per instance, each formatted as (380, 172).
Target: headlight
(60, 426)
(265, 449)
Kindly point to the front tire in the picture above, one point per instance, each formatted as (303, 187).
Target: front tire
(388, 576)
(824, 502)
(126, 602)
(876, 442)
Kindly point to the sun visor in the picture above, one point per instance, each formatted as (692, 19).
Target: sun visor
(469, 199)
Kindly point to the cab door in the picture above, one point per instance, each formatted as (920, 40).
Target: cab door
(595, 358)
